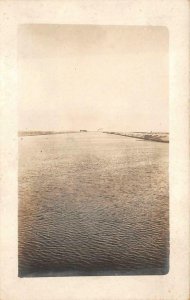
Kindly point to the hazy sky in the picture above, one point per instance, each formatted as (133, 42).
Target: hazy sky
(87, 77)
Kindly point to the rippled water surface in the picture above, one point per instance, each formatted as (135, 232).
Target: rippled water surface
(92, 204)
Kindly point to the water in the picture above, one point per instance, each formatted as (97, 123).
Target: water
(92, 204)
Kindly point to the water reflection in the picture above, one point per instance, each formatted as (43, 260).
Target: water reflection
(92, 204)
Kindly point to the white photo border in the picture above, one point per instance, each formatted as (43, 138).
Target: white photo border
(172, 14)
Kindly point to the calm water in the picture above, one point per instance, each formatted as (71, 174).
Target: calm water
(92, 203)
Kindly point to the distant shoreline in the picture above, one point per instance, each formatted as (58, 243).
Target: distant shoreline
(34, 133)
(162, 137)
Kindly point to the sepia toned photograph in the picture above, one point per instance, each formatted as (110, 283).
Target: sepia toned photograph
(93, 147)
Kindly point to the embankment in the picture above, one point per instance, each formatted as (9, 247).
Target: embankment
(162, 137)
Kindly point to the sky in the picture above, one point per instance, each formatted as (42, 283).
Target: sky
(74, 77)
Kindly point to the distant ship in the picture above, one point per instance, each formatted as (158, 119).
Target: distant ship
(83, 130)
